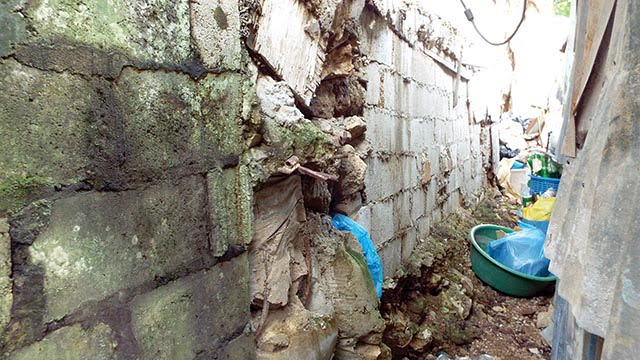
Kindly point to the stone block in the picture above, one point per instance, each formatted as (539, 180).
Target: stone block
(98, 243)
(73, 342)
(43, 123)
(242, 347)
(155, 31)
(12, 27)
(173, 122)
(215, 27)
(194, 314)
(6, 294)
(149, 125)
(231, 211)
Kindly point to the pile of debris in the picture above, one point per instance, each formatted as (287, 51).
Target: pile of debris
(436, 307)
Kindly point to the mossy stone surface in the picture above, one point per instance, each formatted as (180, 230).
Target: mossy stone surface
(99, 243)
(73, 342)
(152, 30)
(193, 315)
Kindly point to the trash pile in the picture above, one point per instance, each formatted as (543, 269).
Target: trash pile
(531, 181)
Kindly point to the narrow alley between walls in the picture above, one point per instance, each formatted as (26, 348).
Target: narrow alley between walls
(318, 179)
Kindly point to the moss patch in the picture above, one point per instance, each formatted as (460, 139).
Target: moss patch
(16, 191)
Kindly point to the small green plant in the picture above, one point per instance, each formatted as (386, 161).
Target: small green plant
(562, 7)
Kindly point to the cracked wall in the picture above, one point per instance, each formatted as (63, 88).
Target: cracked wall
(135, 135)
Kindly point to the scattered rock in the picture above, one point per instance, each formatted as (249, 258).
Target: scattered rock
(527, 311)
(534, 351)
(544, 319)
(277, 102)
(352, 171)
(498, 309)
(356, 126)
(422, 339)
(273, 342)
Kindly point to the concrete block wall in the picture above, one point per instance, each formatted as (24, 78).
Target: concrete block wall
(124, 213)
(426, 155)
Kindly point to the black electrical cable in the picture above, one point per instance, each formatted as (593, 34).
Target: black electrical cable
(469, 15)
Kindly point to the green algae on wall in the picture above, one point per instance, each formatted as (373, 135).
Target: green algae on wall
(15, 191)
(155, 30)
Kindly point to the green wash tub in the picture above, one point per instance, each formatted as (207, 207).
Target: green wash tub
(495, 274)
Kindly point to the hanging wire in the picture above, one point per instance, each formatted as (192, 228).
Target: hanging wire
(469, 15)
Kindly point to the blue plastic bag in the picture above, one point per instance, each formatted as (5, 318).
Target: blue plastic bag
(542, 225)
(374, 264)
(522, 251)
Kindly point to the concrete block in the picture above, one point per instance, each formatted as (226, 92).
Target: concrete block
(423, 66)
(194, 314)
(421, 135)
(381, 129)
(391, 257)
(72, 342)
(215, 27)
(382, 222)
(363, 217)
(373, 76)
(424, 226)
(402, 211)
(384, 177)
(98, 243)
(464, 151)
(402, 57)
(418, 202)
(432, 194)
(409, 242)
(376, 39)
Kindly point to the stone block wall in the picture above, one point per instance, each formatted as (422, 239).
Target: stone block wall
(426, 154)
(124, 213)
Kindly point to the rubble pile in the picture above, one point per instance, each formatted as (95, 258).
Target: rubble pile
(311, 293)
(435, 305)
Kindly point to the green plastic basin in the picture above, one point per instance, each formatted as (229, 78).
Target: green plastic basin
(495, 274)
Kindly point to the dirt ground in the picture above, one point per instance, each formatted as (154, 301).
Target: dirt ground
(419, 320)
